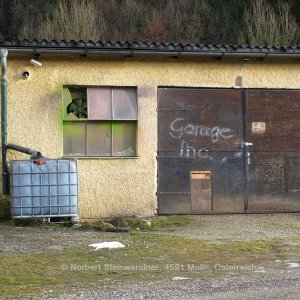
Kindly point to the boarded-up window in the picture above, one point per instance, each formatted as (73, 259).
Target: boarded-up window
(100, 121)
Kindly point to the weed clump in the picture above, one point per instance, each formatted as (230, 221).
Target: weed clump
(4, 208)
(128, 224)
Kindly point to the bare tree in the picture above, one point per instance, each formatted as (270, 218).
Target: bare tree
(186, 21)
(263, 26)
(80, 19)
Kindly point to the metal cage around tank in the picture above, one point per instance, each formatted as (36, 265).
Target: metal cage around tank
(44, 189)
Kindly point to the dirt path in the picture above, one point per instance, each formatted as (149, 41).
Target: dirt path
(32, 258)
(241, 227)
(283, 286)
(32, 240)
(212, 228)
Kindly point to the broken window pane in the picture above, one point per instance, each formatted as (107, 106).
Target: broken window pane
(77, 96)
(124, 139)
(124, 104)
(99, 103)
(74, 138)
(99, 139)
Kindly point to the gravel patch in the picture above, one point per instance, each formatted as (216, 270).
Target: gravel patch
(281, 286)
(274, 282)
(241, 227)
(22, 240)
(212, 228)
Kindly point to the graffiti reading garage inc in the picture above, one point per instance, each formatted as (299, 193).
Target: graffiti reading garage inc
(178, 129)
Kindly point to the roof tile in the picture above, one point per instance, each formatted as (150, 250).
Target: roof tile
(150, 46)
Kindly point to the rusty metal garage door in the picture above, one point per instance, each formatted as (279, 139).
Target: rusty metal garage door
(274, 159)
(225, 150)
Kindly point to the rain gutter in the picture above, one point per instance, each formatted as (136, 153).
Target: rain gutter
(4, 53)
(152, 53)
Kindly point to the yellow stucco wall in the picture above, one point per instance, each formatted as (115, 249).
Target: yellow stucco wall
(118, 186)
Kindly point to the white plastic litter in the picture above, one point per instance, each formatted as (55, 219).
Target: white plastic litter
(260, 270)
(180, 278)
(293, 265)
(109, 245)
(148, 223)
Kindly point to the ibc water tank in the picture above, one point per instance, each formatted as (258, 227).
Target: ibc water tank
(47, 188)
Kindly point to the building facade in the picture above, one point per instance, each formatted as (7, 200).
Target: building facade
(182, 129)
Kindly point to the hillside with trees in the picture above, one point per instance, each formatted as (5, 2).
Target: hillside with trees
(255, 22)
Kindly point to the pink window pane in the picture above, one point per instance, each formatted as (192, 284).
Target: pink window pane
(99, 139)
(99, 103)
(124, 104)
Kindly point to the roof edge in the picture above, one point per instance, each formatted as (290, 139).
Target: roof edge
(147, 48)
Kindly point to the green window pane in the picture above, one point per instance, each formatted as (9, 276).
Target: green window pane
(124, 139)
(74, 138)
(99, 139)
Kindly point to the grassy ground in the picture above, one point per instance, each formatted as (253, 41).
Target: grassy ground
(152, 256)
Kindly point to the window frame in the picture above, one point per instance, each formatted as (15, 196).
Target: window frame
(111, 121)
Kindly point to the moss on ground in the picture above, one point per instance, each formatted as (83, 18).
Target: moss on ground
(135, 224)
(153, 257)
(296, 227)
(150, 255)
